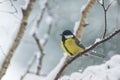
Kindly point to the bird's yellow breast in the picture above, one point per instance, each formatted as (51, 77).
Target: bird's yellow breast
(72, 47)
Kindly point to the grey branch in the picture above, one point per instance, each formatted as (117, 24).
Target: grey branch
(105, 14)
(41, 53)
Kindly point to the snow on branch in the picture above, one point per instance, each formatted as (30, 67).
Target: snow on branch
(18, 38)
(86, 50)
(38, 18)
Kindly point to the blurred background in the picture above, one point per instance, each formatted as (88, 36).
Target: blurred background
(64, 15)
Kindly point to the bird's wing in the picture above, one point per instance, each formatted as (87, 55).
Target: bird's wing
(78, 43)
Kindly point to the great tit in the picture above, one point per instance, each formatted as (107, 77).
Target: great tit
(70, 44)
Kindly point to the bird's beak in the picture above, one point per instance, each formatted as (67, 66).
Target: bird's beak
(60, 34)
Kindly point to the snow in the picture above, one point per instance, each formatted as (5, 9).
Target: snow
(49, 19)
(76, 26)
(34, 77)
(83, 7)
(26, 4)
(107, 71)
(42, 41)
(37, 54)
(33, 29)
(9, 27)
(97, 40)
(100, 1)
(42, 3)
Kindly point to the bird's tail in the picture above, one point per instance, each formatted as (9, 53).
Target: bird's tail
(94, 53)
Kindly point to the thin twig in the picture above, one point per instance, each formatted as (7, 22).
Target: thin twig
(40, 46)
(12, 4)
(29, 67)
(87, 50)
(41, 54)
(42, 14)
(109, 5)
(105, 14)
(105, 18)
(38, 43)
(17, 40)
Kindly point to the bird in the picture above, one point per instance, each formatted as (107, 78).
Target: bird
(71, 44)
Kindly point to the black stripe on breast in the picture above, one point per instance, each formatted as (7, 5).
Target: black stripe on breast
(67, 49)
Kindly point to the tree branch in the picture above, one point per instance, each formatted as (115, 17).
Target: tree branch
(17, 39)
(83, 18)
(88, 49)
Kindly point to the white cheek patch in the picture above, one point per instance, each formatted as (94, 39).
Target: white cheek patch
(68, 36)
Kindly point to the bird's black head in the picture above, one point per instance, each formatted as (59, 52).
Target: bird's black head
(67, 34)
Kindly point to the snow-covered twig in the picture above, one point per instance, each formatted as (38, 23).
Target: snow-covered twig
(12, 4)
(41, 53)
(38, 18)
(86, 50)
(42, 13)
(17, 40)
(41, 45)
(29, 67)
(39, 42)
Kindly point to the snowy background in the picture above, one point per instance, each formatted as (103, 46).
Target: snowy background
(64, 15)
